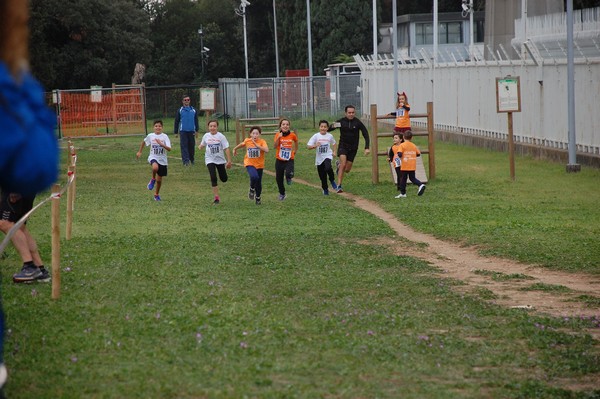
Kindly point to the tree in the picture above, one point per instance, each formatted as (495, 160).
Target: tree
(76, 44)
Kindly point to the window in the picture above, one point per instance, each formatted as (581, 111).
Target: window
(448, 33)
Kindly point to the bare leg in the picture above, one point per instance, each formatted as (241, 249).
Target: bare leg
(33, 248)
(19, 240)
(345, 167)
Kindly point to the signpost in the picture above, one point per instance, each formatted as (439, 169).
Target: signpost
(508, 99)
(208, 101)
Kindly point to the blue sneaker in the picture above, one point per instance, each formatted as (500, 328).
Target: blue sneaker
(27, 274)
(151, 184)
(334, 185)
(326, 192)
(157, 198)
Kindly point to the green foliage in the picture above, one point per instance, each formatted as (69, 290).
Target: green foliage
(77, 44)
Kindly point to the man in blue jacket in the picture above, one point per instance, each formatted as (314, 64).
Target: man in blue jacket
(186, 124)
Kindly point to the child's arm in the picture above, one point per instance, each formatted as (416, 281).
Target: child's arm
(240, 145)
(139, 153)
(277, 138)
(163, 145)
(228, 155)
(263, 148)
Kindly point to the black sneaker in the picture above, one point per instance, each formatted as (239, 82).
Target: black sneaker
(289, 181)
(216, 201)
(27, 274)
(422, 188)
(44, 276)
(257, 200)
(251, 194)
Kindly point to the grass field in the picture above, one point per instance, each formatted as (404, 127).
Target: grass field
(182, 299)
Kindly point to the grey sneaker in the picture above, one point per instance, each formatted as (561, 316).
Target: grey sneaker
(251, 194)
(258, 202)
(282, 197)
(27, 274)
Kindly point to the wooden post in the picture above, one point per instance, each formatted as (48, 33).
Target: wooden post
(55, 242)
(511, 146)
(431, 139)
(237, 131)
(374, 146)
(70, 200)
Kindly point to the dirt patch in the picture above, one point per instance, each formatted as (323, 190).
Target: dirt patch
(477, 271)
(467, 265)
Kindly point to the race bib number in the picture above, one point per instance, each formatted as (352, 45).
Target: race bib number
(397, 162)
(285, 153)
(253, 152)
(323, 149)
(158, 150)
(214, 148)
(400, 112)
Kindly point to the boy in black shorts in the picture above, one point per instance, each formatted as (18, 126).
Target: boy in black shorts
(12, 207)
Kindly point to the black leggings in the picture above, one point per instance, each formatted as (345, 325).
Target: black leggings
(283, 168)
(212, 170)
(325, 170)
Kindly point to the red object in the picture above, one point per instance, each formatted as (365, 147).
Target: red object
(296, 73)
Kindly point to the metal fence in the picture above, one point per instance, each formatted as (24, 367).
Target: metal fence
(304, 98)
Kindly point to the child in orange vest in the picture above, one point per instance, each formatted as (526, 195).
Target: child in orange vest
(404, 157)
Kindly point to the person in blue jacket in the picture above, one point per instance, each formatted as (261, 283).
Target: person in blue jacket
(28, 146)
(186, 124)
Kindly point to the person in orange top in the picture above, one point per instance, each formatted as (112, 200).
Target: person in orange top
(401, 113)
(407, 153)
(286, 145)
(254, 161)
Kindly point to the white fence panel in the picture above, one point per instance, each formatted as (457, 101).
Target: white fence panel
(464, 96)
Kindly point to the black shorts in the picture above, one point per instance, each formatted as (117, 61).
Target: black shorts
(162, 169)
(349, 152)
(13, 211)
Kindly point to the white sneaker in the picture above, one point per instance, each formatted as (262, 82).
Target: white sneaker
(422, 188)
(400, 196)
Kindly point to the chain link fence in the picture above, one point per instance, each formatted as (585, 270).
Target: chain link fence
(305, 100)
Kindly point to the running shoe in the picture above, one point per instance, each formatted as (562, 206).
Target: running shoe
(157, 198)
(44, 276)
(282, 197)
(251, 194)
(422, 188)
(151, 184)
(27, 274)
(333, 185)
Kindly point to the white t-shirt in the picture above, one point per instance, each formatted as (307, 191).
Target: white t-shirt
(215, 146)
(324, 143)
(156, 151)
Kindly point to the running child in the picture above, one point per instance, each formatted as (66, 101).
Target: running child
(406, 154)
(159, 144)
(286, 145)
(254, 161)
(325, 144)
(217, 148)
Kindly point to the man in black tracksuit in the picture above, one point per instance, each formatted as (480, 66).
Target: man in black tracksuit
(349, 127)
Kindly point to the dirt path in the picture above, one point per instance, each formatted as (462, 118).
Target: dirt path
(477, 272)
